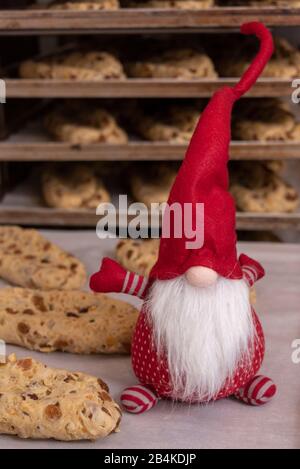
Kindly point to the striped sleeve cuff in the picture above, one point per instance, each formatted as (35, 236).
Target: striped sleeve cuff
(250, 275)
(252, 270)
(134, 285)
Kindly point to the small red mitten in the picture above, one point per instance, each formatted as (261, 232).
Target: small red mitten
(110, 277)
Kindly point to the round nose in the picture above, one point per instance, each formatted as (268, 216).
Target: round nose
(201, 276)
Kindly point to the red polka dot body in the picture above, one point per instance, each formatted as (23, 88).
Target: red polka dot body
(152, 370)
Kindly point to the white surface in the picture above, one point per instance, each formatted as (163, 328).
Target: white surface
(227, 423)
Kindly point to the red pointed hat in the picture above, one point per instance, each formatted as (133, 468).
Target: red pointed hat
(203, 178)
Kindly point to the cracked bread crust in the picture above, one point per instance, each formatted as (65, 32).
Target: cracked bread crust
(68, 321)
(40, 402)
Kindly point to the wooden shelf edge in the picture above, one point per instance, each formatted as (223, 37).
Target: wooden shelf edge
(268, 221)
(138, 151)
(51, 21)
(138, 88)
(39, 216)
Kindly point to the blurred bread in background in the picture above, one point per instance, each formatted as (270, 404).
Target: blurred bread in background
(176, 4)
(285, 62)
(76, 65)
(71, 186)
(83, 123)
(174, 63)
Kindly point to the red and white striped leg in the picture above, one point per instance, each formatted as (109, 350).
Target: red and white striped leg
(138, 399)
(258, 391)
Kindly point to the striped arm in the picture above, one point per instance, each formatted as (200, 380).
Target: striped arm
(135, 284)
(258, 391)
(112, 277)
(138, 399)
(252, 270)
(249, 275)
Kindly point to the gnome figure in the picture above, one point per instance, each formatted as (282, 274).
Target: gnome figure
(198, 339)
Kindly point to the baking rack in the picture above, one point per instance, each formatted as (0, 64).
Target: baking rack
(26, 22)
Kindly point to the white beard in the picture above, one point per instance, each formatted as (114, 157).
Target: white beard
(203, 333)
